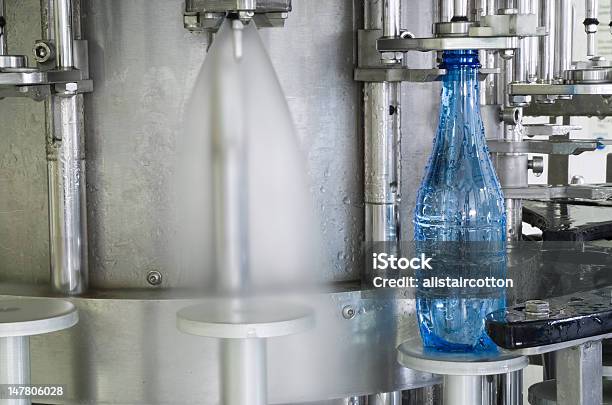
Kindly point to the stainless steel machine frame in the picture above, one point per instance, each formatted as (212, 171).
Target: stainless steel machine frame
(528, 68)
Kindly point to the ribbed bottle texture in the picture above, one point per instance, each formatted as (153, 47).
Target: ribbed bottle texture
(459, 218)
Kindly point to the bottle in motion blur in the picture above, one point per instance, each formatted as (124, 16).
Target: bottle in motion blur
(459, 218)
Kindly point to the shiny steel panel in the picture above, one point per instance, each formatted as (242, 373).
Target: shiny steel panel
(129, 351)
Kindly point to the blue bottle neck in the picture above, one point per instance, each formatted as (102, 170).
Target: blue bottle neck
(460, 103)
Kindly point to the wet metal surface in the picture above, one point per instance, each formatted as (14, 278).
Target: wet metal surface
(569, 221)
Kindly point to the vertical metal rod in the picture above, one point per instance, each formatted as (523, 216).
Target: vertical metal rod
(564, 36)
(590, 25)
(382, 150)
(386, 398)
(514, 219)
(64, 37)
(547, 43)
(462, 390)
(446, 10)
(523, 54)
(391, 18)
(231, 195)
(3, 44)
(15, 365)
(579, 375)
(511, 388)
(66, 171)
(382, 145)
(244, 372)
(460, 9)
(532, 69)
(381, 110)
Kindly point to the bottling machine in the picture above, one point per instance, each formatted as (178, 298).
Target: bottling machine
(95, 306)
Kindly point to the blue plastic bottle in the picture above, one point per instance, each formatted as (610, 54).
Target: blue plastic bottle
(460, 218)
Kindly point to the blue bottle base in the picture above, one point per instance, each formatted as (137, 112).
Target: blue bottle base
(456, 325)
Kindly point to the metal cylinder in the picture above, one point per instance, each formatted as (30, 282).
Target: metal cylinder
(391, 18)
(15, 365)
(67, 209)
(3, 45)
(382, 142)
(523, 65)
(590, 25)
(514, 219)
(244, 372)
(511, 388)
(462, 390)
(564, 27)
(445, 10)
(386, 398)
(62, 14)
(547, 43)
(382, 134)
(534, 52)
(230, 180)
(460, 9)
(66, 169)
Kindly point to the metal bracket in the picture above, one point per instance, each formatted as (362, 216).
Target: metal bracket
(545, 147)
(207, 15)
(549, 129)
(446, 43)
(409, 75)
(545, 192)
(537, 89)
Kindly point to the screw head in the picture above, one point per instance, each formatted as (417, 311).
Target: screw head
(348, 312)
(43, 52)
(154, 278)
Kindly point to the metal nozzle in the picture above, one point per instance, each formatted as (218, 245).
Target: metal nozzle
(237, 27)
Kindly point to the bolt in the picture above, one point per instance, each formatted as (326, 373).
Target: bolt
(537, 308)
(577, 180)
(72, 87)
(348, 312)
(154, 277)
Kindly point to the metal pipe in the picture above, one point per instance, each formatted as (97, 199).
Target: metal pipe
(382, 138)
(382, 149)
(564, 35)
(67, 208)
(244, 372)
(462, 390)
(230, 174)
(511, 388)
(386, 398)
(514, 219)
(62, 12)
(547, 43)
(590, 25)
(391, 18)
(15, 365)
(522, 58)
(3, 45)
(460, 10)
(532, 64)
(445, 10)
(66, 170)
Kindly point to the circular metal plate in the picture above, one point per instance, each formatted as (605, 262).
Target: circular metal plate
(244, 318)
(412, 355)
(13, 61)
(590, 75)
(35, 316)
(452, 29)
